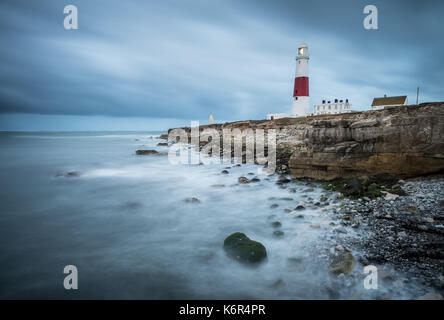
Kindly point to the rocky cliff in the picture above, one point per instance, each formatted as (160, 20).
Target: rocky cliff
(400, 142)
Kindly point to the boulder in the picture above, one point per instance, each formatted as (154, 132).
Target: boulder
(191, 200)
(243, 180)
(343, 263)
(72, 174)
(353, 187)
(146, 152)
(276, 224)
(278, 233)
(241, 248)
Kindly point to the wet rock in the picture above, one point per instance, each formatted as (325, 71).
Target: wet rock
(276, 224)
(384, 275)
(241, 248)
(441, 205)
(389, 196)
(224, 172)
(274, 206)
(339, 247)
(191, 200)
(278, 284)
(315, 225)
(218, 186)
(243, 180)
(343, 263)
(286, 199)
(295, 260)
(255, 179)
(402, 234)
(132, 205)
(299, 208)
(162, 144)
(283, 180)
(353, 187)
(70, 174)
(149, 152)
(431, 296)
(278, 233)
(287, 210)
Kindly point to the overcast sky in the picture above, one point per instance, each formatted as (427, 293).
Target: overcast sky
(149, 65)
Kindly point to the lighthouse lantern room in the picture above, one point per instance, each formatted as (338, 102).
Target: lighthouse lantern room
(301, 97)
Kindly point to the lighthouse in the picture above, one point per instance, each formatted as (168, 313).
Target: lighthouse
(301, 97)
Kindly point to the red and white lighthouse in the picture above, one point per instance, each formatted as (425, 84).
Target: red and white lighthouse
(301, 97)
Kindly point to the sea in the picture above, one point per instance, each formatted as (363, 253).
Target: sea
(85, 199)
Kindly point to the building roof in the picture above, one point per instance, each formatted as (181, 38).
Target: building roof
(386, 101)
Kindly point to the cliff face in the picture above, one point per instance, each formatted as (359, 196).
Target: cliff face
(401, 141)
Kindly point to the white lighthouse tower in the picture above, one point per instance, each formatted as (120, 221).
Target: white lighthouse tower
(301, 97)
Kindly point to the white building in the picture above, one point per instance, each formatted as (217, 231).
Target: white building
(328, 107)
(381, 103)
(301, 97)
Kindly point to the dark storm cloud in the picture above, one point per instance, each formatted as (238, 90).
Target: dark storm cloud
(235, 59)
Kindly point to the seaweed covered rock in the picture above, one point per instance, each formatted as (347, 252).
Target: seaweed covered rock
(365, 187)
(239, 247)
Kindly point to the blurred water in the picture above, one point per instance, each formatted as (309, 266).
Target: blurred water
(124, 224)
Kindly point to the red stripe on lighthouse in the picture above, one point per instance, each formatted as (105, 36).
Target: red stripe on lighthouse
(300, 87)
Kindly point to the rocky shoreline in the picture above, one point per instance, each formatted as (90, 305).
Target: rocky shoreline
(382, 177)
(404, 231)
(402, 234)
